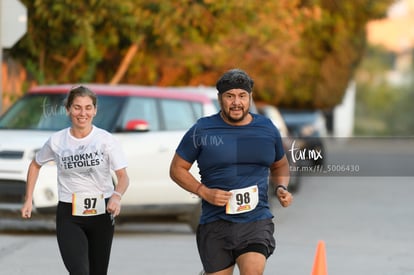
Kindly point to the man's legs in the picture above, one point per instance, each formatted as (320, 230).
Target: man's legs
(222, 244)
(227, 271)
(251, 263)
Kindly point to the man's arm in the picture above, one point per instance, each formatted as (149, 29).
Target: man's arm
(280, 176)
(180, 173)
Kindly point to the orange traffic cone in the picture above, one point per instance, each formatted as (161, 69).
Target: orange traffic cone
(319, 266)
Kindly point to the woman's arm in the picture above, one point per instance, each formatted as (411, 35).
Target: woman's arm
(32, 175)
(114, 204)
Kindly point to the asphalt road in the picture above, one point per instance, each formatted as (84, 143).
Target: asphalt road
(366, 222)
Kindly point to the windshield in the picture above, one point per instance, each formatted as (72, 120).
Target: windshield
(47, 112)
(299, 117)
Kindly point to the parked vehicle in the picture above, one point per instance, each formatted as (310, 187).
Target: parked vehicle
(149, 122)
(275, 116)
(308, 128)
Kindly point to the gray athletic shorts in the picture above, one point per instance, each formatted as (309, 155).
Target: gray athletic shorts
(221, 242)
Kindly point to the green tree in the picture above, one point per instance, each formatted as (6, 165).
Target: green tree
(382, 108)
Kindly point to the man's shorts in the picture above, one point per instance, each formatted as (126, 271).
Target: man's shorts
(221, 242)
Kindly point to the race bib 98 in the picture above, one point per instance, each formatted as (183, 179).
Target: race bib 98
(88, 205)
(243, 200)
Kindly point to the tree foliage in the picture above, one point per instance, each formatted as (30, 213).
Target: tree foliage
(300, 53)
(383, 107)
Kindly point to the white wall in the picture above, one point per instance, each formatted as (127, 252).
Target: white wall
(344, 113)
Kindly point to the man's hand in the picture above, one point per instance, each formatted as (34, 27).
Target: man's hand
(285, 197)
(214, 196)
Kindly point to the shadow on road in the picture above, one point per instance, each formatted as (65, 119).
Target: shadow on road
(17, 226)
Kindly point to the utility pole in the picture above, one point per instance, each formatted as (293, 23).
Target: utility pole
(1, 58)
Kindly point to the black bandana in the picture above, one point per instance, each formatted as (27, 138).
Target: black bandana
(234, 79)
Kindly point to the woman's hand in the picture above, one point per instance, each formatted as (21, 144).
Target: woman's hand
(27, 209)
(114, 205)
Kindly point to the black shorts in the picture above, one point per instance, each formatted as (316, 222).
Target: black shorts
(221, 242)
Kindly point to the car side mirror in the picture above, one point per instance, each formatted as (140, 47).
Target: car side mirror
(137, 125)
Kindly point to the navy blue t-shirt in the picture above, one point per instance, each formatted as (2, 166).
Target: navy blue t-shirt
(233, 157)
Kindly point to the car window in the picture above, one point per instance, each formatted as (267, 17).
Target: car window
(47, 112)
(216, 103)
(198, 110)
(42, 112)
(109, 108)
(142, 108)
(178, 114)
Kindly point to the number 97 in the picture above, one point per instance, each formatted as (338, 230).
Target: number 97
(89, 203)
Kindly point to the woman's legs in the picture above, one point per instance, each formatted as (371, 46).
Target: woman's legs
(84, 242)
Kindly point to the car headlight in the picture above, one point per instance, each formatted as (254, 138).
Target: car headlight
(49, 195)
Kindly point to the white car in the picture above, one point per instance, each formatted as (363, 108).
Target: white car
(273, 113)
(149, 122)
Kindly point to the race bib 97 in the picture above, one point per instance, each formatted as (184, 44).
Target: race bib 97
(88, 205)
(243, 200)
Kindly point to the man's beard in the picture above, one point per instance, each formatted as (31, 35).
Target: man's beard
(231, 119)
